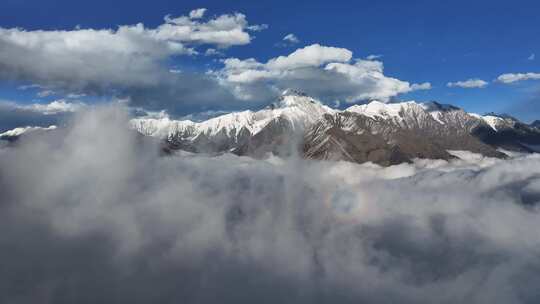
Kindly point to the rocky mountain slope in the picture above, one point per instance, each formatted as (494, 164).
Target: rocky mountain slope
(393, 134)
(378, 132)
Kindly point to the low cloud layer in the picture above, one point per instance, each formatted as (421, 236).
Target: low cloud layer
(93, 214)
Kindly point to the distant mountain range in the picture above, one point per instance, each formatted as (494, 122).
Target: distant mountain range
(383, 133)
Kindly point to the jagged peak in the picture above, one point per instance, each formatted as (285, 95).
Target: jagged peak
(293, 92)
(436, 106)
(293, 98)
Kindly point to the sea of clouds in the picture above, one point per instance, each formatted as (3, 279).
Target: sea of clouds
(94, 213)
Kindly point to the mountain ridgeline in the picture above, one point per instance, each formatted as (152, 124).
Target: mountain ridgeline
(381, 133)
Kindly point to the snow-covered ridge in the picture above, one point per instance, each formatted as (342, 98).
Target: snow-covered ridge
(300, 110)
(22, 130)
(376, 109)
(439, 112)
(497, 122)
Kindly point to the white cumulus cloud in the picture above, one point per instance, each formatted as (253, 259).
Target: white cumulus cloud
(55, 107)
(329, 73)
(310, 56)
(127, 62)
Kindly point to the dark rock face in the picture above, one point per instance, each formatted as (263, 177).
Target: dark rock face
(204, 143)
(358, 138)
(536, 124)
(518, 137)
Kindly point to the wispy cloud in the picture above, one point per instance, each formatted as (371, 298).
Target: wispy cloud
(291, 38)
(288, 41)
(515, 77)
(374, 56)
(468, 84)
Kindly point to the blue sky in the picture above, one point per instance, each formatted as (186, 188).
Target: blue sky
(420, 41)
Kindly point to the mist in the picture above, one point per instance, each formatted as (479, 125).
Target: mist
(94, 213)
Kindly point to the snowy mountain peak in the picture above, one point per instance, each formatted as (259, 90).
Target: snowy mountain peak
(383, 110)
(299, 110)
(292, 100)
(24, 130)
(498, 122)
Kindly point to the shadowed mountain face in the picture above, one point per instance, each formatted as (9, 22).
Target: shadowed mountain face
(358, 138)
(511, 135)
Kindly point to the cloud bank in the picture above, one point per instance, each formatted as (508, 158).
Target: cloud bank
(307, 68)
(129, 62)
(13, 115)
(141, 64)
(94, 214)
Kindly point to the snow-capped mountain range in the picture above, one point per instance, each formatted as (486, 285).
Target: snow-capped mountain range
(300, 110)
(385, 133)
(13, 134)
